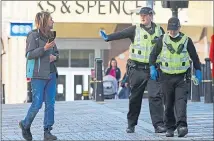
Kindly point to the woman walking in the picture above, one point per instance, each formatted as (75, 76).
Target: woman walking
(41, 54)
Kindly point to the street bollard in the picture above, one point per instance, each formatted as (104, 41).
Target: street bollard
(201, 89)
(195, 91)
(201, 85)
(3, 93)
(213, 86)
(94, 79)
(208, 96)
(213, 90)
(99, 81)
(203, 78)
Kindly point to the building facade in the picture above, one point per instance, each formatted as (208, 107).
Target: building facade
(77, 24)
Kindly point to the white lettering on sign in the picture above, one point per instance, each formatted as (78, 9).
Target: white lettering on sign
(90, 11)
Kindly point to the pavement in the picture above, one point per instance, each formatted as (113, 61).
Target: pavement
(89, 120)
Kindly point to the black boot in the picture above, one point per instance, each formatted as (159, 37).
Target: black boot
(48, 136)
(160, 129)
(26, 134)
(130, 129)
(182, 131)
(170, 133)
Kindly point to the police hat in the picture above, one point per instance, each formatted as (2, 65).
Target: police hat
(173, 24)
(146, 10)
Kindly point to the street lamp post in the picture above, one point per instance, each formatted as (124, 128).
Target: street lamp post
(150, 3)
(174, 5)
(175, 12)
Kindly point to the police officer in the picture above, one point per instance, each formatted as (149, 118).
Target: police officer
(175, 50)
(143, 37)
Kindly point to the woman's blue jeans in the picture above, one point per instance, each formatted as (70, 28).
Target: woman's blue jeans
(42, 90)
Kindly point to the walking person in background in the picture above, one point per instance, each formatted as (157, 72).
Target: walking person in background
(41, 54)
(212, 55)
(114, 71)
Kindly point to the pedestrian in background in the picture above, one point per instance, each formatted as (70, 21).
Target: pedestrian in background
(113, 69)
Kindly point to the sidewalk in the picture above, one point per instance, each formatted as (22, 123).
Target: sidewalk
(88, 120)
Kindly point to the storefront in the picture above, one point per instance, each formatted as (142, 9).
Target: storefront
(75, 64)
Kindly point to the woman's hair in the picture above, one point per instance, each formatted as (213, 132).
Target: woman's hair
(112, 59)
(41, 21)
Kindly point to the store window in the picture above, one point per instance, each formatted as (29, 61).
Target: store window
(82, 58)
(63, 58)
(76, 58)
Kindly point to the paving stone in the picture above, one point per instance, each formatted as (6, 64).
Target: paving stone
(88, 120)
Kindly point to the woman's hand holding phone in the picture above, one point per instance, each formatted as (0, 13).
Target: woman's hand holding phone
(49, 45)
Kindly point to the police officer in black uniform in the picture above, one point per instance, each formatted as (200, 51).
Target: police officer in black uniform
(175, 50)
(143, 37)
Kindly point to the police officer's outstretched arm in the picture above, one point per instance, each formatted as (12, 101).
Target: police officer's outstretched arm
(195, 59)
(126, 33)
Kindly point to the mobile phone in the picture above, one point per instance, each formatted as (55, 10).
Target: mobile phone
(52, 38)
(54, 34)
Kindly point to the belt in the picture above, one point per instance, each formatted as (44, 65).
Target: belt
(176, 74)
(137, 65)
(143, 67)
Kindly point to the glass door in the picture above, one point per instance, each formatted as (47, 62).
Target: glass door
(80, 81)
(61, 88)
(63, 85)
(72, 82)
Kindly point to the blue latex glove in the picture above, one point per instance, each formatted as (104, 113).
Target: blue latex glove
(153, 73)
(198, 75)
(103, 35)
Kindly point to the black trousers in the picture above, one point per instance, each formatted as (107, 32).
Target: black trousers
(138, 79)
(175, 94)
(156, 102)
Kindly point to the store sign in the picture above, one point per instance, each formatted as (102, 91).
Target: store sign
(80, 7)
(90, 11)
(20, 29)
